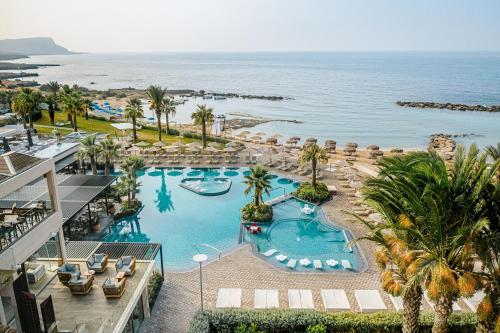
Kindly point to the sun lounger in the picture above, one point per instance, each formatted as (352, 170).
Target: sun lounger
(291, 263)
(346, 264)
(266, 299)
(397, 301)
(369, 300)
(281, 257)
(300, 299)
(229, 298)
(335, 300)
(455, 307)
(305, 262)
(317, 264)
(332, 262)
(473, 302)
(270, 252)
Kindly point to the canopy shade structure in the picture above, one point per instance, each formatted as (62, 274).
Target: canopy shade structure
(122, 126)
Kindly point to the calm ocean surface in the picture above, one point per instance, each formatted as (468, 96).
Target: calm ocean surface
(342, 96)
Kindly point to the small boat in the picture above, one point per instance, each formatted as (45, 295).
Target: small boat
(332, 262)
(219, 97)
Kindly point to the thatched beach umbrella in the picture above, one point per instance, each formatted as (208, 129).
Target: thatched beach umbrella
(243, 134)
(214, 145)
(159, 144)
(373, 147)
(152, 150)
(351, 144)
(172, 149)
(194, 144)
(272, 141)
(312, 140)
(230, 150)
(178, 144)
(330, 143)
(212, 150)
(397, 150)
(194, 149)
(134, 150)
(142, 144)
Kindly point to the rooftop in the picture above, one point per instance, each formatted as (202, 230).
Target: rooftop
(13, 163)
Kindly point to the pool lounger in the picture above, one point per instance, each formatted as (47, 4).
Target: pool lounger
(229, 298)
(270, 252)
(281, 257)
(291, 263)
(300, 299)
(397, 302)
(346, 264)
(332, 262)
(335, 300)
(369, 300)
(317, 264)
(455, 307)
(305, 262)
(473, 302)
(266, 299)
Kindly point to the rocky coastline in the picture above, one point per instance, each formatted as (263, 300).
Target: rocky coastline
(443, 144)
(449, 106)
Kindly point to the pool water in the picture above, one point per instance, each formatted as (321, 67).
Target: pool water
(297, 236)
(179, 218)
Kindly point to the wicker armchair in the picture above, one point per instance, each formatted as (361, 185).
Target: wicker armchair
(113, 287)
(82, 286)
(98, 262)
(126, 265)
(68, 272)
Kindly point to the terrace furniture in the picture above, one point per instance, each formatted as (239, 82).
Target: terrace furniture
(291, 263)
(305, 262)
(34, 272)
(266, 299)
(68, 272)
(369, 300)
(300, 299)
(317, 264)
(332, 262)
(270, 252)
(228, 298)
(98, 262)
(335, 300)
(113, 287)
(281, 257)
(346, 264)
(82, 285)
(126, 265)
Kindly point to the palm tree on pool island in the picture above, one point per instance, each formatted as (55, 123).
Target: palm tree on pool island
(133, 110)
(259, 180)
(108, 152)
(89, 150)
(314, 154)
(203, 116)
(156, 95)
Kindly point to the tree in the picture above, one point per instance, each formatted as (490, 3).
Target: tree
(156, 95)
(129, 184)
(494, 152)
(128, 181)
(314, 154)
(88, 106)
(108, 152)
(20, 105)
(133, 110)
(203, 116)
(169, 110)
(53, 87)
(51, 102)
(73, 105)
(89, 150)
(132, 164)
(259, 180)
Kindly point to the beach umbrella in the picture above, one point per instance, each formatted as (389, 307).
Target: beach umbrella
(194, 149)
(373, 147)
(295, 138)
(212, 150)
(178, 144)
(134, 150)
(397, 150)
(153, 150)
(350, 149)
(351, 144)
(272, 141)
(214, 145)
(159, 144)
(172, 149)
(230, 150)
(313, 140)
(142, 144)
(193, 144)
(243, 134)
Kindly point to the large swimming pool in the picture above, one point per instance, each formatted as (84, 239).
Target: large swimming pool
(186, 222)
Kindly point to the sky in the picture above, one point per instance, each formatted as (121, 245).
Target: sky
(256, 25)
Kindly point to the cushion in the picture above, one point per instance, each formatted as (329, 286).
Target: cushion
(119, 263)
(91, 261)
(108, 282)
(127, 260)
(99, 257)
(71, 268)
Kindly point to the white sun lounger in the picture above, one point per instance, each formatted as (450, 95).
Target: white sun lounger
(300, 299)
(473, 302)
(332, 262)
(397, 301)
(270, 252)
(317, 264)
(281, 257)
(229, 298)
(266, 299)
(305, 262)
(369, 300)
(454, 306)
(291, 263)
(346, 264)
(335, 300)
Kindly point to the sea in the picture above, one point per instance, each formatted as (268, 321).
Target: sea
(347, 97)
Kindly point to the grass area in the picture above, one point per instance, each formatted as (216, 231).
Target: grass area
(99, 126)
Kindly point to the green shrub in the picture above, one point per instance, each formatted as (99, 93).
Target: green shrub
(317, 194)
(320, 328)
(285, 321)
(154, 286)
(260, 213)
(244, 328)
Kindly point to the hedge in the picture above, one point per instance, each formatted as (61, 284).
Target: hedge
(317, 195)
(298, 321)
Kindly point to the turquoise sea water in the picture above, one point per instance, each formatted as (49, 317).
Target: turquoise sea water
(341, 96)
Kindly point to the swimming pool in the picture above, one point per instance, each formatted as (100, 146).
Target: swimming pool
(179, 218)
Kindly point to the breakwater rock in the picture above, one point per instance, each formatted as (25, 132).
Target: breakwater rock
(450, 106)
(244, 120)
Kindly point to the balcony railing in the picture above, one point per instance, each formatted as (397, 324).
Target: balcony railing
(16, 222)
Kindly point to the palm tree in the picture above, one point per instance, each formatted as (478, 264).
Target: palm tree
(51, 102)
(133, 110)
(20, 105)
(108, 152)
(169, 110)
(66, 90)
(88, 106)
(156, 95)
(494, 152)
(73, 104)
(259, 180)
(314, 154)
(132, 164)
(89, 150)
(129, 184)
(53, 87)
(203, 116)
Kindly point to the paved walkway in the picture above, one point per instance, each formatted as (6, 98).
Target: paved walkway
(179, 297)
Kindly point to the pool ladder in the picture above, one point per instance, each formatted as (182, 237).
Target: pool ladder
(196, 246)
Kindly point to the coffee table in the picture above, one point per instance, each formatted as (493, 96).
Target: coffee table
(120, 275)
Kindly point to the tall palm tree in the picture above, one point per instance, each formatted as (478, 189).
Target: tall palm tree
(108, 152)
(314, 154)
(129, 184)
(88, 106)
(73, 104)
(259, 180)
(51, 102)
(89, 150)
(494, 152)
(66, 91)
(203, 116)
(132, 164)
(20, 105)
(133, 110)
(156, 95)
(53, 87)
(169, 110)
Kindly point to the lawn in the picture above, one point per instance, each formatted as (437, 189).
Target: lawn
(100, 126)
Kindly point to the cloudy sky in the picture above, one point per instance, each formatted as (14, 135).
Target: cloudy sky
(256, 25)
